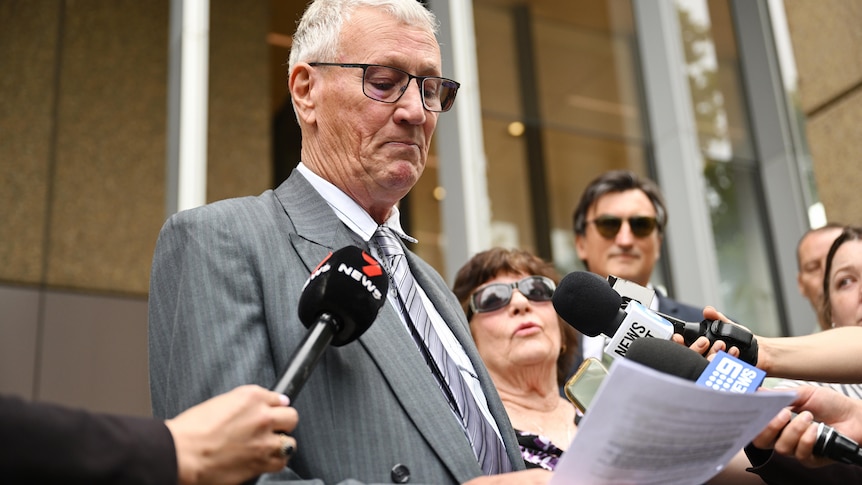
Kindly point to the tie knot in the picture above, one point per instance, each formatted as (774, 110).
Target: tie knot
(387, 241)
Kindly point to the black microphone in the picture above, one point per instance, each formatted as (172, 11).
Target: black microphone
(339, 301)
(674, 359)
(588, 302)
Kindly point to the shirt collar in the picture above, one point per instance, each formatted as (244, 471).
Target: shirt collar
(348, 211)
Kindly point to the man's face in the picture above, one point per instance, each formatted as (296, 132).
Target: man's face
(812, 260)
(374, 151)
(624, 255)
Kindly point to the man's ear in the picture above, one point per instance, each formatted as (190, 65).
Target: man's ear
(300, 84)
(581, 246)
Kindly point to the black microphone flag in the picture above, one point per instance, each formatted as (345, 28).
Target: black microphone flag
(339, 301)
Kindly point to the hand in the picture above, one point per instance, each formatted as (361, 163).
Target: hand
(533, 476)
(796, 437)
(232, 437)
(791, 437)
(701, 345)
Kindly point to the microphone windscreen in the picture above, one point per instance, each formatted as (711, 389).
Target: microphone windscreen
(587, 302)
(668, 357)
(349, 285)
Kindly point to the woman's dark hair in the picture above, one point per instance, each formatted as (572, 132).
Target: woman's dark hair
(489, 264)
(850, 233)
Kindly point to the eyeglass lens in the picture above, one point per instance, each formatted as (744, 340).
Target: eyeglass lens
(609, 226)
(388, 84)
(498, 295)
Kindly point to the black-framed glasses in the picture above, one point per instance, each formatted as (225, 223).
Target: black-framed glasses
(497, 295)
(609, 226)
(387, 85)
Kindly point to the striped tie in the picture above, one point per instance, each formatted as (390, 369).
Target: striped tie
(486, 444)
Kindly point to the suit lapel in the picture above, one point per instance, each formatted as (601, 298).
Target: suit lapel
(317, 229)
(454, 317)
(387, 342)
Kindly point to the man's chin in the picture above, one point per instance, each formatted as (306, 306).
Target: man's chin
(626, 272)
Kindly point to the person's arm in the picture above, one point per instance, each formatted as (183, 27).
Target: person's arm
(45, 443)
(828, 356)
(225, 440)
(232, 437)
(783, 451)
(796, 436)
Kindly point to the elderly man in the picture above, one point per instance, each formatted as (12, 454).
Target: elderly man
(410, 400)
(811, 260)
(618, 225)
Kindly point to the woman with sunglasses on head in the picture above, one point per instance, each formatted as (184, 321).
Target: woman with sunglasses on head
(528, 350)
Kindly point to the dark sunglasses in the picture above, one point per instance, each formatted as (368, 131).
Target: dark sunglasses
(498, 295)
(609, 226)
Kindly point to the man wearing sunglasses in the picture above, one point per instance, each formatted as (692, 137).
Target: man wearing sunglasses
(619, 223)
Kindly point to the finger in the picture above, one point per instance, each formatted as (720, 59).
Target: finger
(717, 315)
(788, 440)
(284, 419)
(701, 345)
(283, 446)
(734, 351)
(277, 399)
(710, 313)
(287, 446)
(805, 447)
(765, 440)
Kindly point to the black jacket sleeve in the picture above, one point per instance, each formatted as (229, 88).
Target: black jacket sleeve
(44, 442)
(776, 469)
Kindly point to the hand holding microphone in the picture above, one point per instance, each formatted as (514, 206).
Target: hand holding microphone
(589, 303)
(798, 435)
(813, 445)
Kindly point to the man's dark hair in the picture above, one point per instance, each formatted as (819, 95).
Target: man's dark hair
(618, 181)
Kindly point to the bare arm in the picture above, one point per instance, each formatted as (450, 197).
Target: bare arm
(829, 356)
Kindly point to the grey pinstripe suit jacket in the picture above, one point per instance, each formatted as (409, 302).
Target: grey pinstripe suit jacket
(225, 282)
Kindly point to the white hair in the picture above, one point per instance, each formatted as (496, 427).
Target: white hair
(319, 30)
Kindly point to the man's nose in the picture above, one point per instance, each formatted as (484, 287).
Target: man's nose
(625, 237)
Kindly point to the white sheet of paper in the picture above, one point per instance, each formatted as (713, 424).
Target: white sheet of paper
(647, 427)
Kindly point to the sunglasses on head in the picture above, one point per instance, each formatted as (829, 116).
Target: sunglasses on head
(497, 295)
(609, 226)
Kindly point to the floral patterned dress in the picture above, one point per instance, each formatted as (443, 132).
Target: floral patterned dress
(538, 451)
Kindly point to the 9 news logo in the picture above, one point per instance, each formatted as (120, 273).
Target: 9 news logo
(726, 373)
